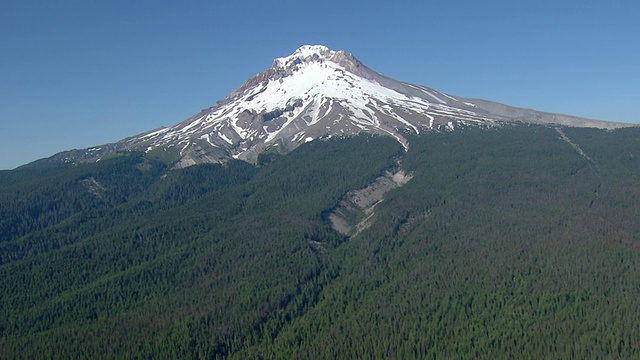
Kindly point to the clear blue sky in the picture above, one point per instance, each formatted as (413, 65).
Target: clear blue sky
(78, 73)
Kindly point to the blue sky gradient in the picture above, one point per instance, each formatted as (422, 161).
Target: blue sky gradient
(79, 73)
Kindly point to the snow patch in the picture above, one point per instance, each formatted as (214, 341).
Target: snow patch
(303, 52)
(223, 137)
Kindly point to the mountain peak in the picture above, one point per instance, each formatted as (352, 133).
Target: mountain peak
(304, 52)
(319, 53)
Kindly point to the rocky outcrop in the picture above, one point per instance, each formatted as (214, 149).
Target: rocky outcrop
(355, 212)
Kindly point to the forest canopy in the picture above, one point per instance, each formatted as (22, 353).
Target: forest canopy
(507, 243)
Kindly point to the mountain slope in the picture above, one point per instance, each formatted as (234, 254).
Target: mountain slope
(317, 93)
(506, 243)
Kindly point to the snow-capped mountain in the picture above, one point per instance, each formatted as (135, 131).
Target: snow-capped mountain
(317, 93)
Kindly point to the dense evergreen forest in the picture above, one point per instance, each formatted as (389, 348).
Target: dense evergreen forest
(512, 242)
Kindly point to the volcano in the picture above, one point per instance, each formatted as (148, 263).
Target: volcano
(318, 93)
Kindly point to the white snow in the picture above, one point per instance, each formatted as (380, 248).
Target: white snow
(223, 137)
(428, 93)
(298, 136)
(316, 82)
(315, 112)
(238, 129)
(450, 97)
(207, 137)
(157, 132)
(184, 148)
(303, 52)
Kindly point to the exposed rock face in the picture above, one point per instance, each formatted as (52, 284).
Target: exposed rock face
(93, 187)
(354, 213)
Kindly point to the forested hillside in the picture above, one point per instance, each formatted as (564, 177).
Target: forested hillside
(513, 242)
